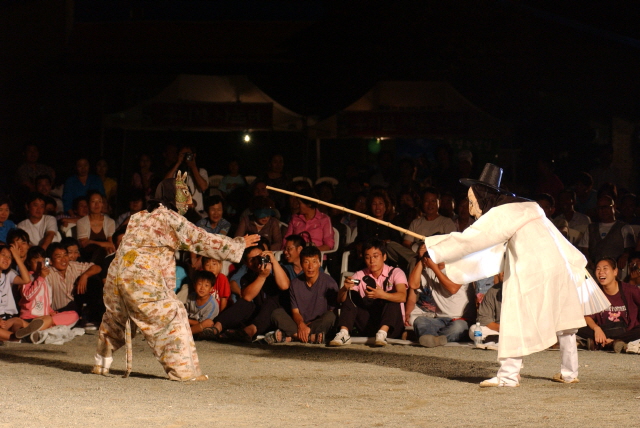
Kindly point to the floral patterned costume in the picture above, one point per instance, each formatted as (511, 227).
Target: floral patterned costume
(140, 285)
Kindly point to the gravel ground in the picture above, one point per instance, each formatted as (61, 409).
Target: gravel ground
(306, 385)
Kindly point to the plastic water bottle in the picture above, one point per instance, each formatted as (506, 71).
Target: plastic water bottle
(477, 335)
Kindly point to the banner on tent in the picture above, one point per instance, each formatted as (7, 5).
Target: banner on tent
(228, 116)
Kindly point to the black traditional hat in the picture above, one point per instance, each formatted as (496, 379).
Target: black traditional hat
(491, 177)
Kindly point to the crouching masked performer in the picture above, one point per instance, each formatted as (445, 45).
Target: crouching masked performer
(141, 278)
(546, 290)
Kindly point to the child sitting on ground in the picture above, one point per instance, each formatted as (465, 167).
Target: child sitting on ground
(36, 295)
(201, 306)
(11, 326)
(221, 289)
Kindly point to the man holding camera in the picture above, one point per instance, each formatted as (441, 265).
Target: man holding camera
(372, 299)
(264, 288)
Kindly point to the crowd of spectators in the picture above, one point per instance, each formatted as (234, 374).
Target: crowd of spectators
(319, 275)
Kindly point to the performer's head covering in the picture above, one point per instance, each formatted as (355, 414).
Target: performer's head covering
(173, 194)
(487, 189)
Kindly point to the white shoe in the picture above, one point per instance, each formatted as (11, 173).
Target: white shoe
(342, 338)
(381, 339)
(496, 382)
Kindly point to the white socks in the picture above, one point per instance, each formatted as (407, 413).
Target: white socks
(104, 362)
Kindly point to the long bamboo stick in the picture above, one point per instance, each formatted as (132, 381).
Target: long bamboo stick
(338, 207)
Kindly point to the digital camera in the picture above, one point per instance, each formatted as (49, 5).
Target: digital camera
(188, 157)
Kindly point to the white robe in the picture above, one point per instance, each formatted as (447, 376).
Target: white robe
(542, 273)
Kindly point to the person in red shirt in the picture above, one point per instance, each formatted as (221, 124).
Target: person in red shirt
(221, 289)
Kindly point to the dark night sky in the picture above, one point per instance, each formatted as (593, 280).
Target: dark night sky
(549, 68)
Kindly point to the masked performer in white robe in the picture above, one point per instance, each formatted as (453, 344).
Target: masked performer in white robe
(141, 280)
(545, 293)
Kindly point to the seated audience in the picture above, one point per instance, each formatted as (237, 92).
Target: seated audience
(73, 248)
(448, 206)
(136, 204)
(620, 323)
(69, 283)
(293, 246)
(575, 220)
(548, 205)
(264, 288)
(374, 302)
(11, 326)
(455, 303)
(310, 220)
(627, 207)
(201, 306)
(633, 277)
(5, 224)
(262, 221)
(608, 237)
(489, 312)
(30, 169)
(220, 290)
(68, 221)
(95, 231)
(276, 177)
(21, 239)
(213, 222)
(110, 185)
(79, 184)
(379, 207)
(313, 300)
(44, 185)
(407, 210)
(35, 299)
(431, 222)
(143, 178)
(42, 228)
(233, 180)
(586, 195)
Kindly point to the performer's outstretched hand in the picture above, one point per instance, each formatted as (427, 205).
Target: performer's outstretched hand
(251, 240)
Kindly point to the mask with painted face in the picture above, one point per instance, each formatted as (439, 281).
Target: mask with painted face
(183, 196)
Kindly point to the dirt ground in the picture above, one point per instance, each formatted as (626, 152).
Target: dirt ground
(307, 385)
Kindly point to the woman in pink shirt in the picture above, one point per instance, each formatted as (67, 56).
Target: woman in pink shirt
(312, 221)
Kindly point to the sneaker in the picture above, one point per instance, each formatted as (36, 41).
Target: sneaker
(90, 326)
(496, 382)
(558, 378)
(619, 346)
(431, 341)
(381, 339)
(33, 326)
(342, 338)
(209, 333)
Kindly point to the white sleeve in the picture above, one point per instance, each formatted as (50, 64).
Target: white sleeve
(83, 227)
(109, 226)
(51, 224)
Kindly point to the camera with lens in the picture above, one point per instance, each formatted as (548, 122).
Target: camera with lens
(263, 260)
(47, 262)
(188, 157)
(633, 267)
